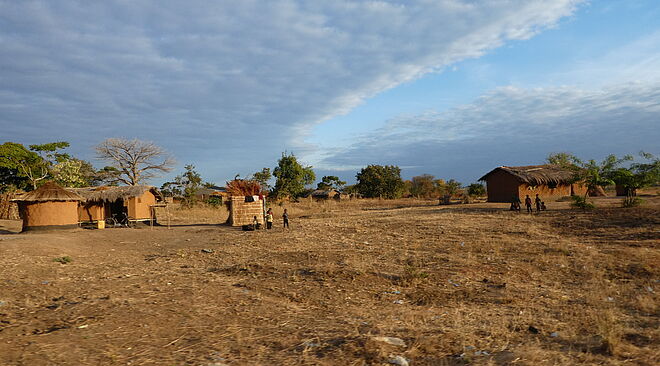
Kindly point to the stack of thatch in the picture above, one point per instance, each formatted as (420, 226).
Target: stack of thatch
(112, 194)
(243, 187)
(8, 209)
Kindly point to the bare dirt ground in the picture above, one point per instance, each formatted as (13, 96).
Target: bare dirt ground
(456, 285)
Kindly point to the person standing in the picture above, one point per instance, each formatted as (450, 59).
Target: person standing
(528, 203)
(269, 219)
(285, 217)
(537, 201)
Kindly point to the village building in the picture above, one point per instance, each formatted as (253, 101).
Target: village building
(49, 207)
(136, 203)
(548, 181)
(243, 210)
(324, 194)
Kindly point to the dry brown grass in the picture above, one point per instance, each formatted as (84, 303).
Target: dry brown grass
(459, 284)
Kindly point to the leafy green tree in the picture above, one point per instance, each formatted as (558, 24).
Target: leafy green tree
(639, 175)
(263, 177)
(563, 159)
(34, 164)
(380, 181)
(594, 174)
(73, 173)
(452, 187)
(422, 186)
(330, 182)
(291, 177)
(476, 190)
(108, 175)
(189, 182)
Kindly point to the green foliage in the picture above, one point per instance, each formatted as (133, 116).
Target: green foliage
(639, 175)
(330, 182)
(291, 177)
(214, 201)
(73, 173)
(423, 186)
(189, 182)
(563, 159)
(263, 177)
(476, 190)
(452, 187)
(34, 164)
(63, 260)
(631, 201)
(380, 181)
(581, 202)
(108, 175)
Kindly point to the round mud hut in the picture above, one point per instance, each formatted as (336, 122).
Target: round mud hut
(49, 207)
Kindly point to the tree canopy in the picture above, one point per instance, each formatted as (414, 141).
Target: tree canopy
(330, 182)
(380, 181)
(291, 177)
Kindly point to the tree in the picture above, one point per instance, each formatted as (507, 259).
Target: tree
(452, 187)
(108, 175)
(476, 190)
(422, 186)
(595, 175)
(330, 182)
(380, 181)
(136, 160)
(34, 164)
(563, 159)
(291, 177)
(189, 182)
(263, 177)
(73, 173)
(639, 175)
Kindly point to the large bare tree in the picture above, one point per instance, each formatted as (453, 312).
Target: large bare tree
(137, 161)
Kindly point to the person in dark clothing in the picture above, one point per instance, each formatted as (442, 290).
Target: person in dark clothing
(537, 201)
(515, 204)
(285, 216)
(528, 203)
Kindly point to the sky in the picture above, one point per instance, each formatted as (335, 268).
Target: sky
(452, 88)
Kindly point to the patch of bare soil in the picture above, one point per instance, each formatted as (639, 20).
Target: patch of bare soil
(450, 285)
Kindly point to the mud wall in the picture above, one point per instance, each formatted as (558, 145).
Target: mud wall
(51, 213)
(243, 213)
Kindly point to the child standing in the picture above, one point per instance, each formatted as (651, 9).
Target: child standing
(528, 204)
(269, 219)
(285, 216)
(537, 201)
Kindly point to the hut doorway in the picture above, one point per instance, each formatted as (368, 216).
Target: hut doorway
(116, 210)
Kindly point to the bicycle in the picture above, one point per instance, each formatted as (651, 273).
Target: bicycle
(118, 220)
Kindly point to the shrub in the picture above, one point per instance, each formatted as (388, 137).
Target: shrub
(63, 260)
(631, 201)
(581, 202)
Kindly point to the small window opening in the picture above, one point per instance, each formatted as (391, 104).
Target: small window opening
(552, 185)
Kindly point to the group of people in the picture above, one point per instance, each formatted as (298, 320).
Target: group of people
(515, 204)
(269, 220)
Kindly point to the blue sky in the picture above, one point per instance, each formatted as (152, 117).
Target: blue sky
(450, 88)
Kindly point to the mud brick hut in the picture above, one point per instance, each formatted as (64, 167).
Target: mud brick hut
(548, 181)
(49, 207)
(99, 203)
(243, 209)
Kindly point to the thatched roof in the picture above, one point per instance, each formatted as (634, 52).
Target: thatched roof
(324, 193)
(111, 194)
(50, 191)
(535, 175)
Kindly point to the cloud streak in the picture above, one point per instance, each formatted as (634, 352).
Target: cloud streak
(229, 84)
(514, 126)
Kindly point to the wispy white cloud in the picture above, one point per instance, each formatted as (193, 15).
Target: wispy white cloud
(229, 84)
(511, 125)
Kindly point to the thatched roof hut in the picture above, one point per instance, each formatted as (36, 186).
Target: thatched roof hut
(535, 175)
(548, 181)
(49, 207)
(112, 194)
(99, 203)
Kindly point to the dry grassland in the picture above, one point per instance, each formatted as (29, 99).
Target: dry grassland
(460, 284)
